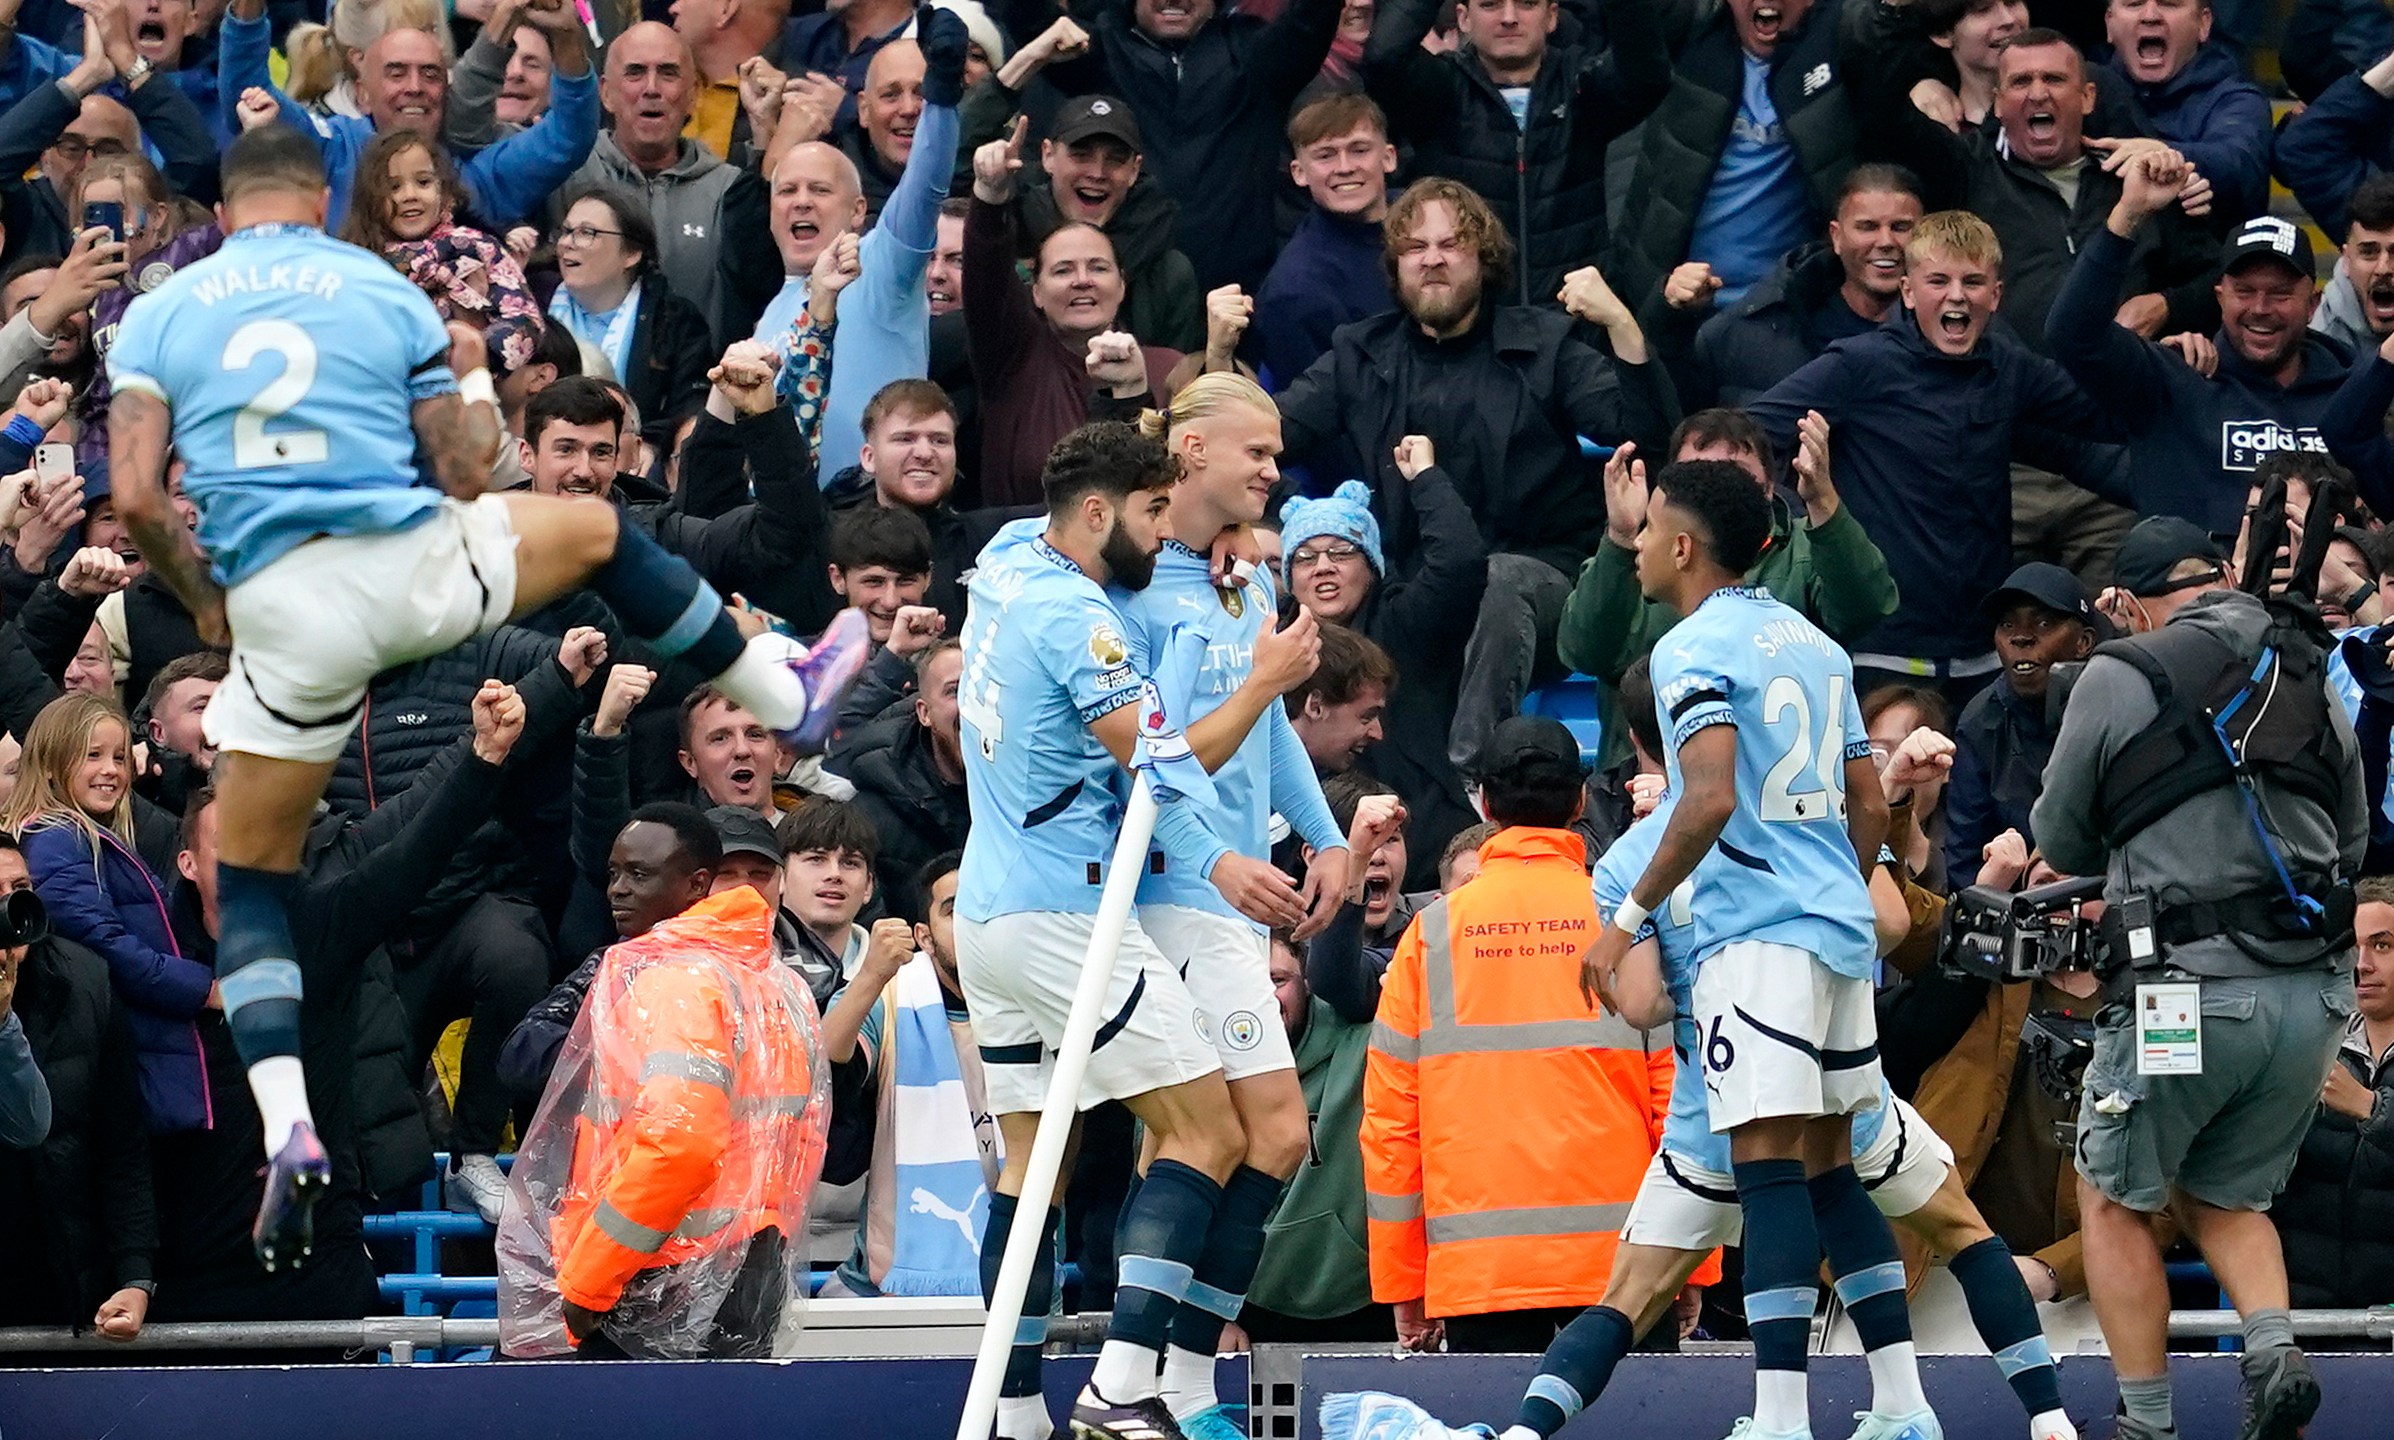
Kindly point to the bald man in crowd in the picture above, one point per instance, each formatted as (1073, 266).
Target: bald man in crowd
(713, 241)
(818, 195)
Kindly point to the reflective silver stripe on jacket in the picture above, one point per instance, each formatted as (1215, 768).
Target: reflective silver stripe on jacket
(1533, 1220)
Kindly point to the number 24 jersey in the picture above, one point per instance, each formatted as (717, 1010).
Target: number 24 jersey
(1747, 661)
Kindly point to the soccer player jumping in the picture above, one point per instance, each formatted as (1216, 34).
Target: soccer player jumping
(300, 378)
(1770, 763)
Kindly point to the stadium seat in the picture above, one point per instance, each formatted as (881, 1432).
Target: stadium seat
(1572, 700)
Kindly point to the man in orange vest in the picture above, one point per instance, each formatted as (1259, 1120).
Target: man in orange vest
(672, 1157)
(1505, 1127)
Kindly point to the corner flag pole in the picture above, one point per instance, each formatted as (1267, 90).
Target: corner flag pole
(1056, 1116)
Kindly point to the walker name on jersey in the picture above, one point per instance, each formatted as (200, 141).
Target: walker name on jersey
(2245, 444)
(299, 279)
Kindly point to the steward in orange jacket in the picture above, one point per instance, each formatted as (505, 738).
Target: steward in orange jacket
(1506, 1127)
(697, 1134)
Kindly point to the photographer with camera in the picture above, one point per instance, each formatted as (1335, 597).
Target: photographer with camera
(2228, 845)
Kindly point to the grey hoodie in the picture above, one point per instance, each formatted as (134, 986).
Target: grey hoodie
(2339, 315)
(2205, 849)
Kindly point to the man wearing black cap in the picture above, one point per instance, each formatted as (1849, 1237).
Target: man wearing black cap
(2162, 564)
(1215, 86)
(2041, 617)
(1090, 171)
(2195, 439)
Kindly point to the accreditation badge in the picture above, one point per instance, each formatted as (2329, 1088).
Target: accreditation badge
(2169, 1029)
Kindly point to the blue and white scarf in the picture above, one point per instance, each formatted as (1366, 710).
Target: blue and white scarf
(932, 1152)
(607, 331)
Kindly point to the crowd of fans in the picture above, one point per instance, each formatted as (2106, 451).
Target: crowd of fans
(1969, 286)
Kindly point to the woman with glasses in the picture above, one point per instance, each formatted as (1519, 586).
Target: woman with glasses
(612, 296)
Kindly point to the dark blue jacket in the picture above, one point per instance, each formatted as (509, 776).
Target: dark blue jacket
(2339, 140)
(2219, 120)
(819, 43)
(2001, 745)
(2354, 428)
(111, 903)
(1782, 322)
(1921, 445)
(1329, 273)
(2194, 440)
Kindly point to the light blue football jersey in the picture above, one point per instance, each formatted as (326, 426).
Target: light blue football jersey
(1270, 770)
(1687, 1130)
(291, 362)
(1046, 654)
(1789, 877)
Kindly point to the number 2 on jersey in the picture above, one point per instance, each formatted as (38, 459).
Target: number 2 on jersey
(253, 448)
(1780, 803)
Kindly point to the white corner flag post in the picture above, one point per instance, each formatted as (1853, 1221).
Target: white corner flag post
(1056, 1117)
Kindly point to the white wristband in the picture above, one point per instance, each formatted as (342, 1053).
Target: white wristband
(474, 386)
(1629, 917)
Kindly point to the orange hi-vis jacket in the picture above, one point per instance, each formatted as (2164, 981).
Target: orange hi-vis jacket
(1506, 1126)
(701, 1125)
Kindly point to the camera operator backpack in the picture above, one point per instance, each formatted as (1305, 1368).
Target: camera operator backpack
(2223, 722)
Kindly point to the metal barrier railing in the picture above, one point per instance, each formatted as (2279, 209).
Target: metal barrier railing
(407, 1337)
(401, 1335)
(864, 1329)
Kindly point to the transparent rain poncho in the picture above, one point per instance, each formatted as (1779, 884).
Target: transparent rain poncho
(663, 1180)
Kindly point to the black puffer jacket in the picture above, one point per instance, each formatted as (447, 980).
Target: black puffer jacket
(1211, 110)
(360, 879)
(1683, 140)
(81, 1201)
(2336, 1215)
(1545, 180)
(158, 632)
(916, 813)
(417, 712)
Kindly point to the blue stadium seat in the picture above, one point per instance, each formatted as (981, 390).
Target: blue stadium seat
(426, 1289)
(1572, 700)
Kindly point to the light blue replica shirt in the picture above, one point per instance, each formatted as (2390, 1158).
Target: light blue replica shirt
(1756, 209)
(1270, 770)
(1786, 873)
(1046, 655)
(291, 363)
